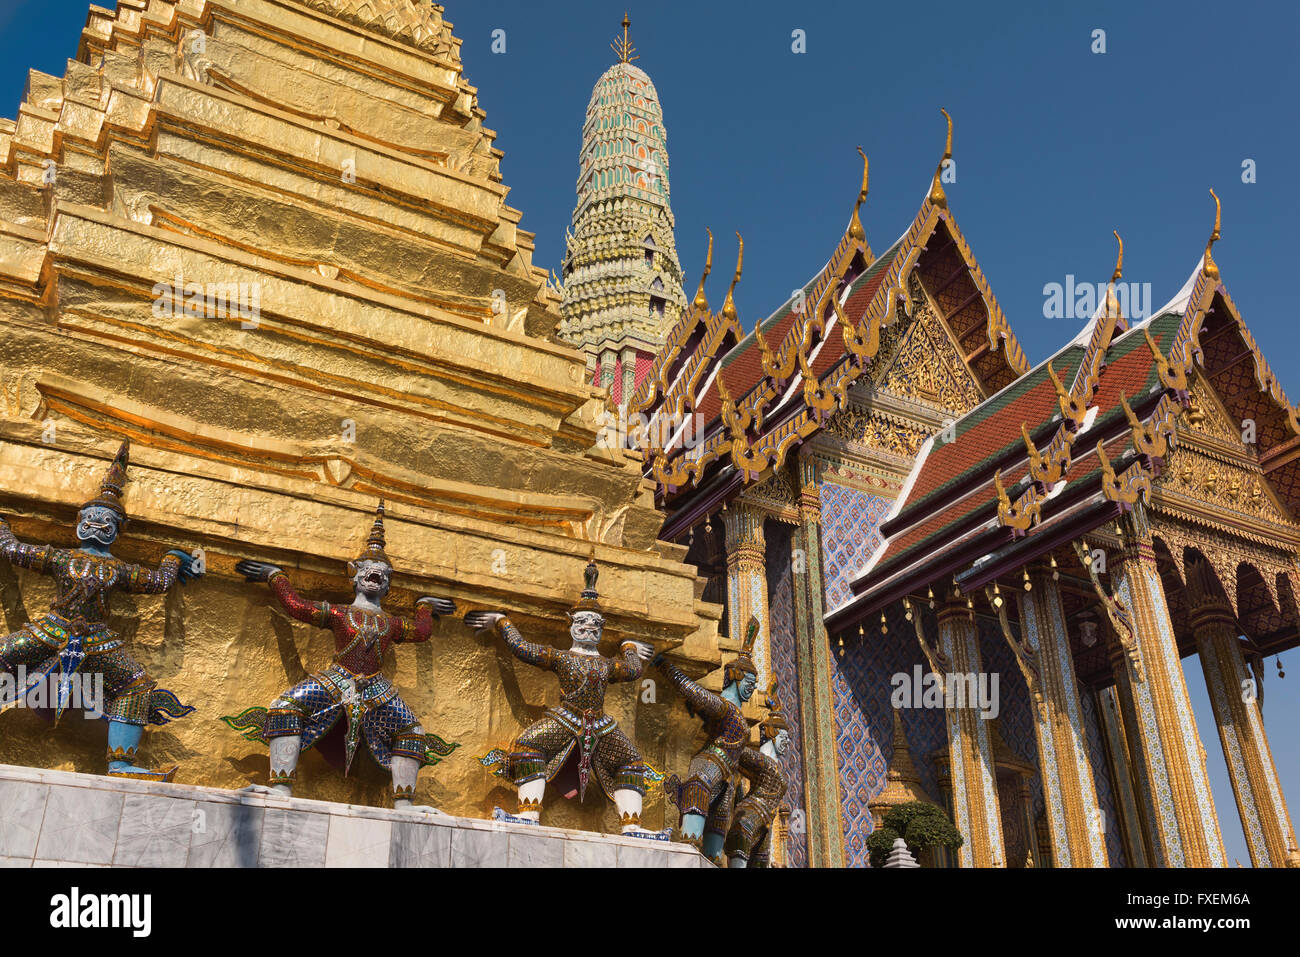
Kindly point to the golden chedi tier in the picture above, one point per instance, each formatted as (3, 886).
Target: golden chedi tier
(268, 242)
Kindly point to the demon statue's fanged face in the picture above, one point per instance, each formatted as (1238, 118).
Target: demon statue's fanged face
(97, 525)
(747, 685)
(371, 578)
(781, 742)
(586, 628)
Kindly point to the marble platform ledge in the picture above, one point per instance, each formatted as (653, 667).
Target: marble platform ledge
(62, 819)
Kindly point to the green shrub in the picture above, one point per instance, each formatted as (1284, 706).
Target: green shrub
(921, 825)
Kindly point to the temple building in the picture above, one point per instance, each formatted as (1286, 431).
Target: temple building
(268, 243)
(622, 281)
(877, 471)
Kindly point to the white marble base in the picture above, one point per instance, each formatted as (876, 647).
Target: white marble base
(61, 819)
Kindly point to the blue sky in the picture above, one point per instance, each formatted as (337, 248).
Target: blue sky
(1055, 146)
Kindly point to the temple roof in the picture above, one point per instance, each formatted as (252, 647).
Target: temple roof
(1073, 443)
(758, 395)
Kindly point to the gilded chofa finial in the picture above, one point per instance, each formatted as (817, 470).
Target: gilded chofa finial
(623, 46)
(1211, 268)
(855, 226)
(937, 195)
(701, 300)
(729, 307)
(1112, 304)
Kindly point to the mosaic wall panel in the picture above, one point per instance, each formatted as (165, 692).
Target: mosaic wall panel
(1101, 779)
(850, 533)
(1015, 712)
(860, 682)
(785, 666)
(862, 687)
(1016, 724)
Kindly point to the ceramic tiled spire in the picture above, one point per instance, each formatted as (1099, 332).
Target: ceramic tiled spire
(622, 279)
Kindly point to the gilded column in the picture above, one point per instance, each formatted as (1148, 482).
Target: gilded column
(975, 807)
(1116, 746)
(1185, 827)
(816, 705)
(1233, 695)
(1073, 812)
(747, 580)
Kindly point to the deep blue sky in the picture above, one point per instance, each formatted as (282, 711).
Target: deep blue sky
(1055, 147)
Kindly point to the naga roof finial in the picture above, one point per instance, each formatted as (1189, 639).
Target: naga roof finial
(1112, 304)
(937, 195)
(1211, 268)
(855, 225)
(729, 307)
(623, 45)
(701, 300)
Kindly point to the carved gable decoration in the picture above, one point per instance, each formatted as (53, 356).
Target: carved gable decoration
(928, 366)
(1212, 465)
(1206, 417)
(878, 431)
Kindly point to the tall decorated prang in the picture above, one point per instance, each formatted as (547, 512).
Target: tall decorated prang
(622, 279)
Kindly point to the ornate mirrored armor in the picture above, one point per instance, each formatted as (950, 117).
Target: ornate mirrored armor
(72, 648)
(706, 798)
(352, 694)
(749, 839)
(577, 729)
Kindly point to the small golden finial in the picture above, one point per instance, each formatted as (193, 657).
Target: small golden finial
(623, 46)
(937, 195)
(1211, 268)
(729, 307)
(1112, 304)
(855, 226)
(701, 300)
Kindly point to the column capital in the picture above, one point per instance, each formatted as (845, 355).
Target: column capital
(1206, 604)
(810, 492)
(955, 608)
(743, 524)
(1135, 533)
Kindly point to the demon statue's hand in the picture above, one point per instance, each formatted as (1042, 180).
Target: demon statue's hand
(484, 622)
(441, 606)
(644, 650)
(190, 568)
(255, 571)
